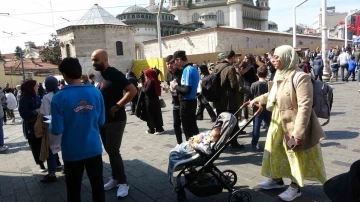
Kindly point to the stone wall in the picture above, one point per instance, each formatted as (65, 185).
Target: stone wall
(221, 39)
(89, 38)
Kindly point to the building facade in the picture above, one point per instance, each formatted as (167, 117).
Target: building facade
(333, 18)
(98, 29)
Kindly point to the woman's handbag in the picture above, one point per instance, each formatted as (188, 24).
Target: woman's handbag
(162, 103)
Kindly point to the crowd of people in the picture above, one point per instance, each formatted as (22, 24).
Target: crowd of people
(80, 100)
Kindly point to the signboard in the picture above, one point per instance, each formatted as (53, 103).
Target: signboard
(356, 39)
(142, 65)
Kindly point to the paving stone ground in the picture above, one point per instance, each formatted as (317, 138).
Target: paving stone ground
(146, 158)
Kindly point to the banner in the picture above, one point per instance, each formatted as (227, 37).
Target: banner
(142, 65)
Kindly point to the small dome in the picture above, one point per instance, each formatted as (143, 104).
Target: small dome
(155, 9)
(272, 23)
(135, 9)
(207, 13)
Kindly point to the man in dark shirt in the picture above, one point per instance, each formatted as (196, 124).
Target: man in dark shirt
(112, 87)
(175, 74)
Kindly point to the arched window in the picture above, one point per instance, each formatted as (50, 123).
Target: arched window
(220, 17)
(68, 54)
(119, 48)
(195, 17)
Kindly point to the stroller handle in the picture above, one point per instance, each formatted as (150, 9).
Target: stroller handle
(260, 108)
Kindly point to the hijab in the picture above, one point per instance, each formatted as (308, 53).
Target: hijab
(152, 76)
(289, 60)
(27, 88)
(51, 84)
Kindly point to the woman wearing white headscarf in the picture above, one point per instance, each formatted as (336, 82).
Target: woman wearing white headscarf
(292, 148)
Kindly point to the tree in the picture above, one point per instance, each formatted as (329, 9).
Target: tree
(51, 52)
(18, 52)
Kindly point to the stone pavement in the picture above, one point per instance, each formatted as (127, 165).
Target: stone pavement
(146, 158)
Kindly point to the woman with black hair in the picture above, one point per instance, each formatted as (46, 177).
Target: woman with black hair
(249, 77)
(134, 81)
(29, 107)
(202, 102)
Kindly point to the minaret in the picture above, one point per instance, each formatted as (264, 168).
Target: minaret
(151, 2)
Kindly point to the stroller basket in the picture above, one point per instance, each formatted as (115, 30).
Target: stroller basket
(205, 185)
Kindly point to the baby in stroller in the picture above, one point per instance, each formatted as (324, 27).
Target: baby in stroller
(202, 142)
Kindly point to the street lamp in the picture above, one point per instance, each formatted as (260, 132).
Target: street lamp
(294, 22)
(346, 29)
(159, 27)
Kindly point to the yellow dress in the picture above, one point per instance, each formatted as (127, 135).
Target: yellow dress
(278, 162)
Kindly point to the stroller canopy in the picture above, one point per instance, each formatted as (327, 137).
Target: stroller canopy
(228, 123)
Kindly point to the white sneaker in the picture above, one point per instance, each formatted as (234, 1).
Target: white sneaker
(242, 123)
(271, 184)
(3, 148)
(290, 194)
(110, 184)
(122, 191)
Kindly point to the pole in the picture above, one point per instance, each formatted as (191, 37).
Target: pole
(324, 41)
(159, 27)
(346, 29)
(294, 22)
(22, 65)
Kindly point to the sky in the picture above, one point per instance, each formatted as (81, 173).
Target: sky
(33, 20)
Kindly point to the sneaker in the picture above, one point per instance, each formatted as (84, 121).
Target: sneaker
(159, 132)
(48, 179)
(290, 194)
(3, 148)
(110, 184)
(59, 168)
(242, 123)
(271, 184)
(43, 170)
(149, 132)
(122, 191)
(255, 147)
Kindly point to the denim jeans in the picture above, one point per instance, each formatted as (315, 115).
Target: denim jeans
(266, 116)
(1, 132)
(111, 136)
(52, 162)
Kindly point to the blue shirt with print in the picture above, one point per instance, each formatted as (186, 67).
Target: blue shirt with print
(190, 77)
(77, 113)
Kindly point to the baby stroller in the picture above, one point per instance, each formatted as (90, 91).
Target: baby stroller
(202, 177)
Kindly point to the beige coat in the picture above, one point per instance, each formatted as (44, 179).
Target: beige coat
(298, 118)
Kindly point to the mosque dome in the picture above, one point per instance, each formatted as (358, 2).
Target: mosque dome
(135, 9)
(155, 9)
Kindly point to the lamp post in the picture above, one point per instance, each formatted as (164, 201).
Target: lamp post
(159, 27)
(294, 22)
(346, 29)
(324, 41)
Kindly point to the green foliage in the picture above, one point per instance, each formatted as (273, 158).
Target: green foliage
(51, 52)
(18, 50)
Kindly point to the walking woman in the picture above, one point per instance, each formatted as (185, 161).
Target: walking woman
(202, 102)
(53, 162)
(292, 148)
(318, 66)
(152, 90)
(29, 107)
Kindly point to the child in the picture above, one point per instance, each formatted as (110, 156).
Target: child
(334, 69)
(202, 142)
(77, 113)
(259, 88)
(352, 68)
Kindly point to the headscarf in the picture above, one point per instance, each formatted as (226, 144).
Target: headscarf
(289, 60)
(27, 88)
(51, 84)
(152, 76)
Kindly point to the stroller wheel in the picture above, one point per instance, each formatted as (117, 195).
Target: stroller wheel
(229, 177)
(239, 196)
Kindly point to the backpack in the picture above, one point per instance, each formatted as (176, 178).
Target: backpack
(211, 86)
(322, 99)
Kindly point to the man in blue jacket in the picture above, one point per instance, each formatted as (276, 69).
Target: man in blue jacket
(77, 113)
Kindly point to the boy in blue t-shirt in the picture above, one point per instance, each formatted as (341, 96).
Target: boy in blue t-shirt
(259, 88)
(77, 113)
(351, 70)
